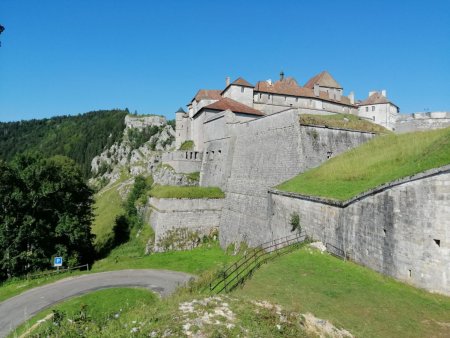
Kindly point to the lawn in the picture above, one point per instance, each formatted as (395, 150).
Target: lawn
(381, 160)
(345, 121)
(360, 300)
(168, 191)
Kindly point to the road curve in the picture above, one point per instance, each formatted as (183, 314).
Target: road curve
(20, 308)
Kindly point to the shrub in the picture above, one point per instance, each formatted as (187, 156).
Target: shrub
(295, 222)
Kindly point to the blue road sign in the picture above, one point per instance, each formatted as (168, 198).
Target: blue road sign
(57, 261)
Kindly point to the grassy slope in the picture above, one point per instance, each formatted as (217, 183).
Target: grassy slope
(378, 161)
(195, 261)
(166, 191)
(351, 296)
(346, 121)
(108, 205)
(101, 306)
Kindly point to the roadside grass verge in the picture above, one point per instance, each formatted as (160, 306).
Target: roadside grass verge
(379, 161)
(168, 191)
(345, 121)
(15, 286)
(91, 311)
(358, 299)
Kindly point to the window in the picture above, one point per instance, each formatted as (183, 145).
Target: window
(242, 89)
(268, 96)
(373, 118)
(437, 242)
(260, 95)
(373, 108)
(367, 109)
(285, 98)
(296, 99)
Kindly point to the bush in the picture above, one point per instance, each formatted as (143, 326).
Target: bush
(295, 222)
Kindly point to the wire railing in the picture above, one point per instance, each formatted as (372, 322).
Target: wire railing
(336, 252)
(238, 272)
(63, 270)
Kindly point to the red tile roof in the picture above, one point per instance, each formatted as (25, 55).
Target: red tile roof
(234, 106)
(242, 82)
(290, 87)
(324, 79)
(375, 98)
(207, 94)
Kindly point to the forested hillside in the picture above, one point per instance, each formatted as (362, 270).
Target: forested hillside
(80, 137)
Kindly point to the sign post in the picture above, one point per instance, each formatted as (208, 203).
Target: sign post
(57, 262)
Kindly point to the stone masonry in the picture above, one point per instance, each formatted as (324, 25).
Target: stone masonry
(400, 229)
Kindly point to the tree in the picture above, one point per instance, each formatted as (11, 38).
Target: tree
(46, 211)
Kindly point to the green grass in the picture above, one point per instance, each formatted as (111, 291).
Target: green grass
(381, 160)
(194, 261)
(345, 121)
(108, 205)
(167, 191)
(13, 287)
(99, 306)
(360, 300)
(187, 145)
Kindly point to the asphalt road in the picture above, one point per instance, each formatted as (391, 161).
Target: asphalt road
(18, 309)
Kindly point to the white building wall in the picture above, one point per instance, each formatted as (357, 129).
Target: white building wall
(384, 114)
(239, 93)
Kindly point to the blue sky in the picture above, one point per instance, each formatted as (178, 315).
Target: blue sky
(69, 57)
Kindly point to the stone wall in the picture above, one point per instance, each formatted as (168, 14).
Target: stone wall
(198, 217)
(183, 161)
(266, 152)
(422, 121)
(401, 229)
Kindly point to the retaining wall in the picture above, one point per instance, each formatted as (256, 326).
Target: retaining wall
(201, 216)
(401, 229)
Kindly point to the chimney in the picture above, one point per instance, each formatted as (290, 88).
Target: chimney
(269, 81)
(351, 97)
(372, 92)
(281, 76)
(316, 89)
(383, 92)
(227, 81)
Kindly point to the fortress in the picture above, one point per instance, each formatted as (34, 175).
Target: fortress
(248, 138)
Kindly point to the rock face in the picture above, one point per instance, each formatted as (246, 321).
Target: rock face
(139, 151)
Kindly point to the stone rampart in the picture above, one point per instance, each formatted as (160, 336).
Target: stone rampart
(422, 121)
(400, 229)
(266, 152)
(183, 161)
(180, 223)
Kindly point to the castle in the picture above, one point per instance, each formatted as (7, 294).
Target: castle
(248, 139)
(320, 94)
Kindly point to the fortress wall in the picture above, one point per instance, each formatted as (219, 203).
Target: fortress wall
(183, 161)
(392, 231)
(265, 153)
(190, 215)
(422, 121)
(214, 166)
